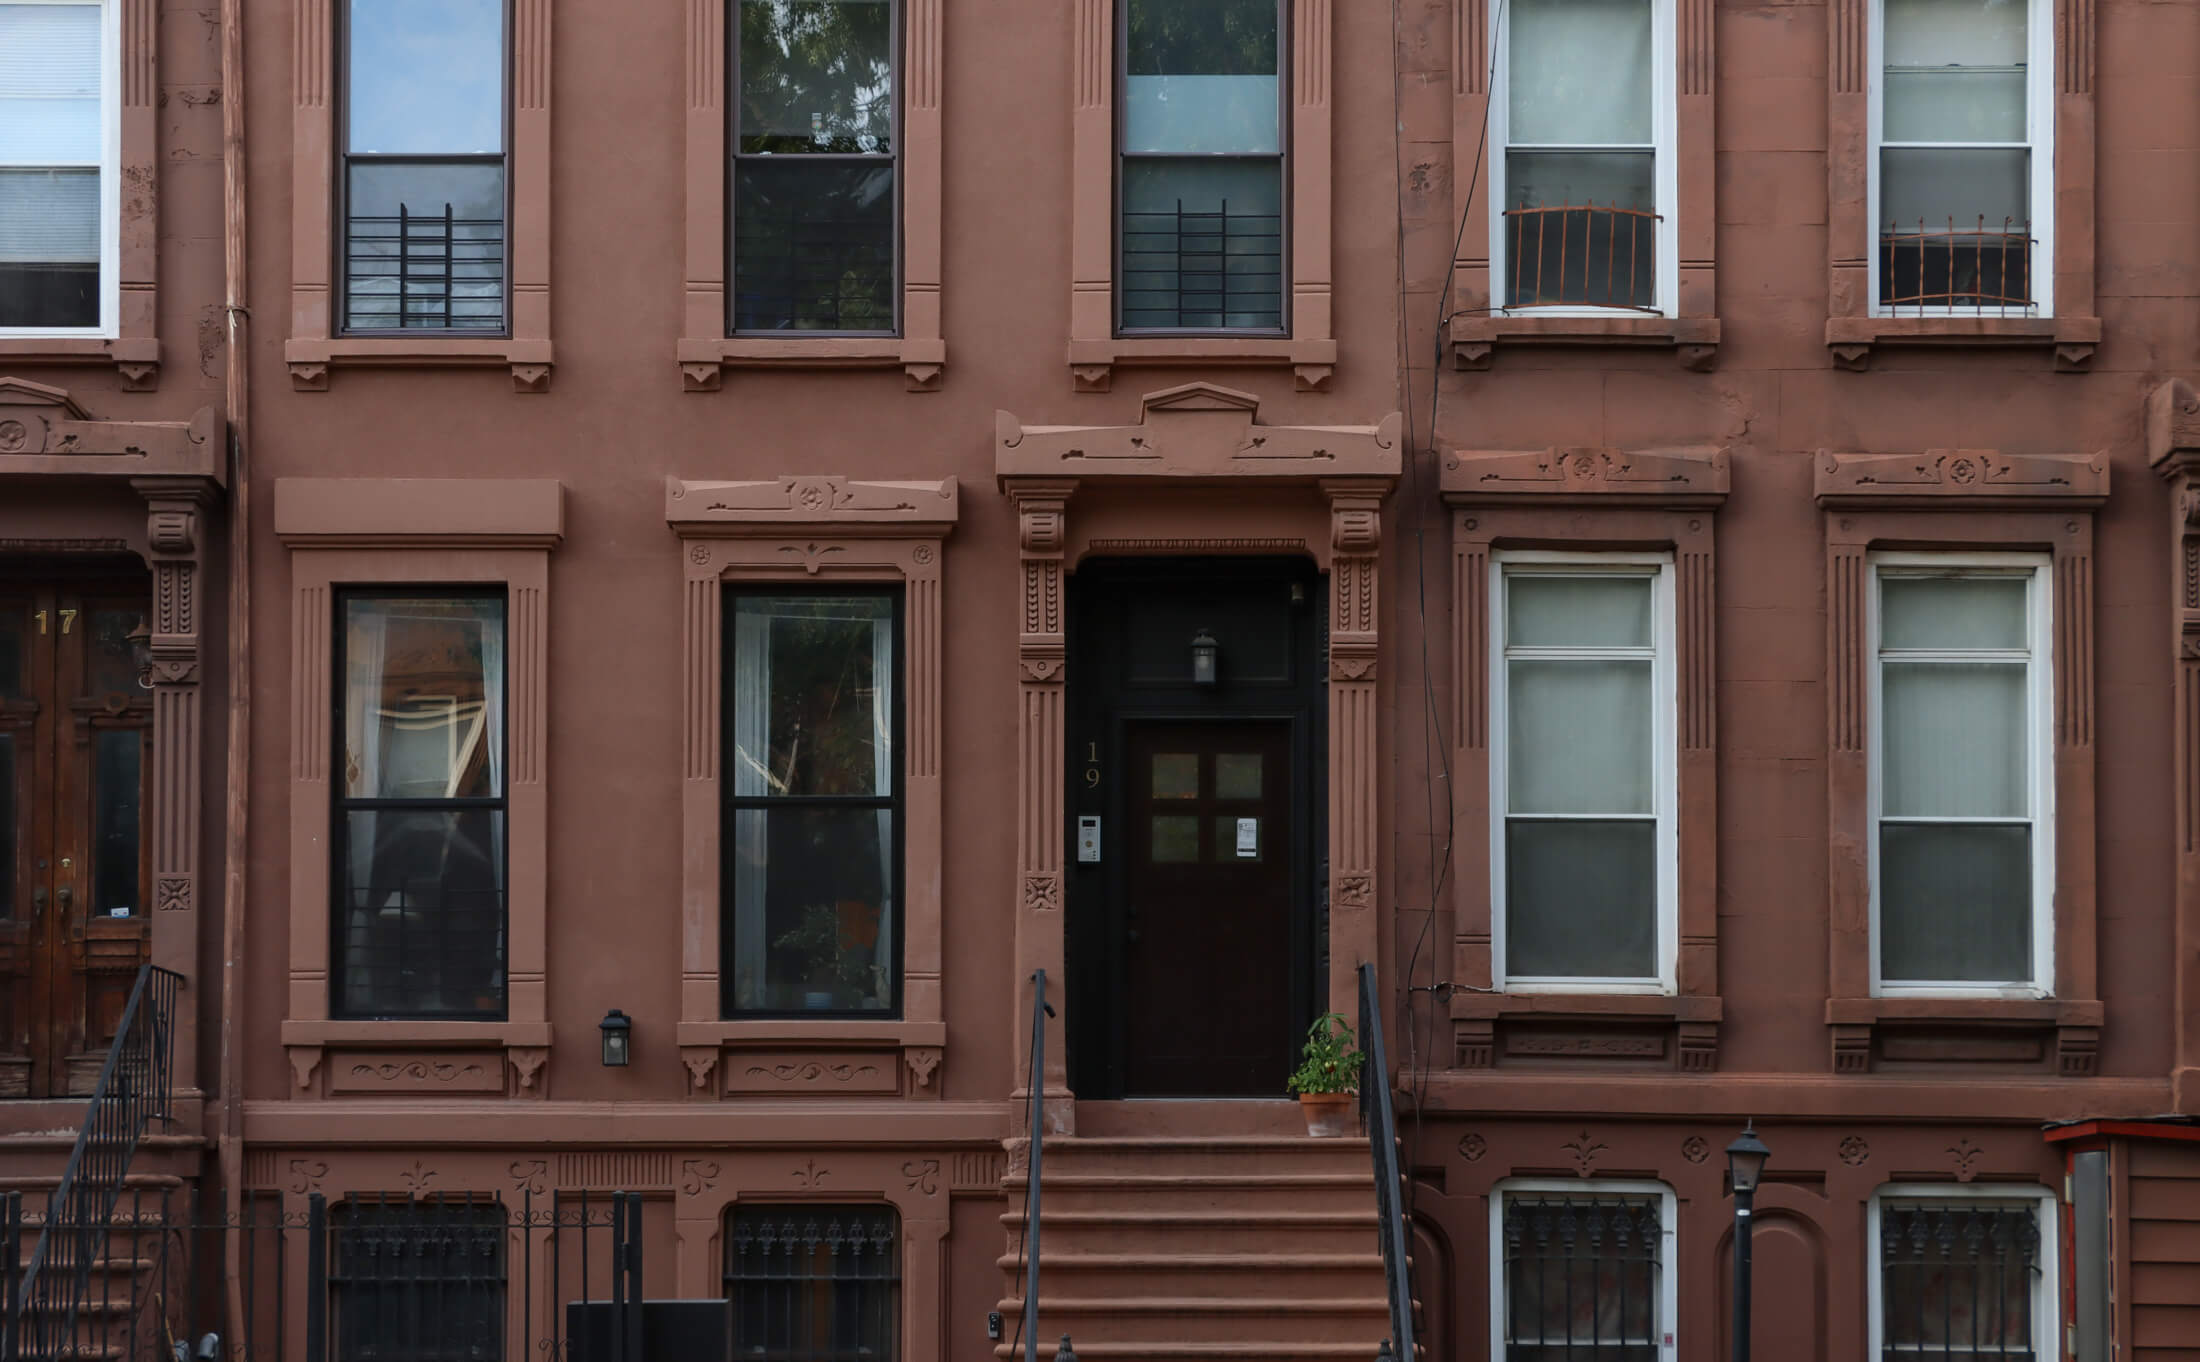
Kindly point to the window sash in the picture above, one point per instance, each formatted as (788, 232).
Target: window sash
(1661, 720)
(2035, 773)
(462, 256)
(107, 163)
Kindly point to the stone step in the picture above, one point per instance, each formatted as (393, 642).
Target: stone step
(1178, 1320)
(1234, 1192)
(1175, 1231)
(1153, 1156)
(1274, 1276)
(1250, 1350)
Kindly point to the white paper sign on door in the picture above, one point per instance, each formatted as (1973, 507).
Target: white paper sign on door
(1248, 838)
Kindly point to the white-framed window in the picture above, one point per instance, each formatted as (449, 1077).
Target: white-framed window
(1963, 157)
(60, 146)
(1962, 775)
(1584, 853)
(1582, 166)
(1581, 1271)
(1963, 1271)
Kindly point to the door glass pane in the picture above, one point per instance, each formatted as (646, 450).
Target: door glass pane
(1240, 839)
(426, 76)
(817, 75)
(1578, 736)
(1237, 775)
(1579, 72)
(1176, 775)
(423, 697)
(1201, 78)
(813, 695)
(1954, 740)
(1581, 899)
(49, 83)
(1577, 611)
(1952, 612)
(814, 245)
(117, 757)
(1202, 243)
(110, 655)
(8, 849)
(813, 912)
(1175, 838)
(422, 912)
(14, 645)
(1955, 70)
(1955, 902)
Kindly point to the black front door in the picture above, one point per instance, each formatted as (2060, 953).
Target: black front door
(1194, 826)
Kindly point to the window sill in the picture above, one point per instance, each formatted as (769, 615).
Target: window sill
(135, 358)
(2073, 339)
(1092, 363)
(1898, 1032)
(1638, 1029)
(418, 1058)
(1694, 340)
(310, 360)
(789, 1056)
(703, 362)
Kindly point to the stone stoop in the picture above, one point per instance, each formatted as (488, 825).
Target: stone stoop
(1223, 1247)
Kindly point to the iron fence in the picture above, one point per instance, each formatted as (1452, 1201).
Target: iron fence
(1977, 267)
(1582, 1278)
(1957, 1280)
(1379, 1116)
(1202, 269)
(436, 271)
(1582, 255)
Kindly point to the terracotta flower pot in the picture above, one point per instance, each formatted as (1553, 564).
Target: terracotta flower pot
(1328, 1114)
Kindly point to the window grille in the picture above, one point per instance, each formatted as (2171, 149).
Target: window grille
(1957, 1280)
(418, 1281)
(1583, 1278)
(814, 1283)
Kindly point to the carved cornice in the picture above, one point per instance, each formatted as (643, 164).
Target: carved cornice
(419, 512)
(1687, 476)
(44, 432)
(1196, 432)
(835, 505)
(1961, 477)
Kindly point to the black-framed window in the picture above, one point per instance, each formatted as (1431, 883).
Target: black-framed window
(812, 832)
(816, 152)
(420, 818)
(425, 180)
(814, 1283)
(417, 1280)
(1200, 180)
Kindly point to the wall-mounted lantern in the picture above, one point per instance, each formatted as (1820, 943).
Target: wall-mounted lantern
(618, 1035)
(1206, 654)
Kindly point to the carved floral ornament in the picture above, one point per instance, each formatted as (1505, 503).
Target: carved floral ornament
(1197, 432)
(1681, 477)
(1961, 477)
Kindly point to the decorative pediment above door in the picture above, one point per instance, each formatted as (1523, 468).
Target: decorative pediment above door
(44, 432)
(1197, 432)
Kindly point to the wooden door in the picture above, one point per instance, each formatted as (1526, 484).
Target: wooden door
(1207, 920)
(76, 730)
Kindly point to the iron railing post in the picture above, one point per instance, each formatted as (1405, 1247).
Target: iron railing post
(1382, 1138)
(316, 1278)
(633, 1320)
(1038, 1091)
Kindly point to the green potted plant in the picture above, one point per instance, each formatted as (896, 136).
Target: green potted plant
(832, 973)
(1328, 1076)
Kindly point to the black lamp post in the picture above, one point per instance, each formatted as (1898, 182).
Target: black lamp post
(1745, 1163)
(618, 1033)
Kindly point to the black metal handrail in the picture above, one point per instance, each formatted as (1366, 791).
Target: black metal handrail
(135, 1089)
(1380, 1116)
(1038, 1090)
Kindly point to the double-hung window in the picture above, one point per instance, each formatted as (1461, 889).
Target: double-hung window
(60, 144)
(1582, 172)
(424, 244)
(1963, 180)
(814, 1283)
(813, 833)
(1963, 1273)
(1963, 872)
(815, 152)
(1583, 1272)
(1584, 856)
(419, 844)
(1201, 244)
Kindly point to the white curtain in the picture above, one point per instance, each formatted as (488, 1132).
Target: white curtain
(492, 734)
(882, 768)
(752, 754)
(366, 646)
(1579, 73)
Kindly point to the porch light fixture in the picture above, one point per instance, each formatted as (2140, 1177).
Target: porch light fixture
(618, 1034)
(1205, 654)
(1745, 1164)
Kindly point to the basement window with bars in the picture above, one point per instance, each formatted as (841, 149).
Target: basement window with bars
(424, 183)
(1201, 171)
(1582, 178)
(59, 145)
(1964, 1278)
(1963, 176)
(1583, 1273)
(814, 1283)
(816, 156)
(417, 1280)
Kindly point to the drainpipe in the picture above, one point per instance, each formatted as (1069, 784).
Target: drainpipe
(237, 381)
